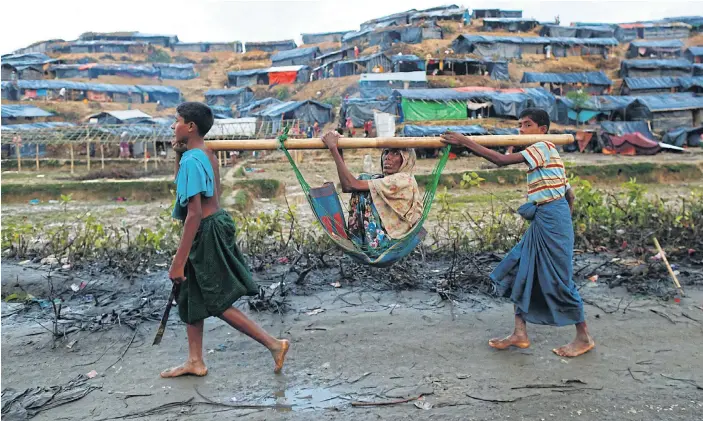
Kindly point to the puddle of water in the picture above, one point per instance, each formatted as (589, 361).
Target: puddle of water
(306, 399)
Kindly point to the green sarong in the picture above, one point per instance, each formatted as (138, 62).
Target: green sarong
(216, 272)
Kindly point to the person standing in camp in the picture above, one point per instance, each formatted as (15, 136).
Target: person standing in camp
(356, 51)
(367, 128)
(537, 274)
(208, 265)
(350, 127)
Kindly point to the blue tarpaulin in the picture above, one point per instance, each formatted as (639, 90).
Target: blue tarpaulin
(309, 111)
(229, 97)
(295, 57)
(641, 83)
(255, 105)
(620, 128)
(361, 110)
(593, 78)
(23, 111)
(663, 66)
(666, 43)
(696, 51)
(684, 137)
(671, 102)
(411, 130)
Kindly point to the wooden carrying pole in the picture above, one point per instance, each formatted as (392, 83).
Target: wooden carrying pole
(385, 142)
(668, 266)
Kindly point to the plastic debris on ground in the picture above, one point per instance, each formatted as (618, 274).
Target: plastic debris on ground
(315, 311)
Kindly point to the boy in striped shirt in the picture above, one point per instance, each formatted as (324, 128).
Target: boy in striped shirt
(537, 274)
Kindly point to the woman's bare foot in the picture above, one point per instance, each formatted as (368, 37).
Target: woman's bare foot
(520, 341)
(279, 354)
(195, 368)
(577, 347)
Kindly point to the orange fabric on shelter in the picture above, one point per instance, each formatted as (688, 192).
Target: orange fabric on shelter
(283, 78)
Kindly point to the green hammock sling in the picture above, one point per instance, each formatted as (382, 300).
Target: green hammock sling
(326, 205)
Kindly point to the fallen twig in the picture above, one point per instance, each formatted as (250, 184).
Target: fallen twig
(664, 315)
(543, 386)
(357, 403)
(500, 400)
(689, 381)
(689, 317)
(629, 370)
(125, 350)
(239, 406)
(363, 376)
(315, 328)
(576, 389)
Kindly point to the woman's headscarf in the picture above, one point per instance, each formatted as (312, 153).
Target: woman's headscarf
(397, 197)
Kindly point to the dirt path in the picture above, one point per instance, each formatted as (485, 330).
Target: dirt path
(380, 346)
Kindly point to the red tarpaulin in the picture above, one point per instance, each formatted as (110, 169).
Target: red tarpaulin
(283, 78)
(632, 144)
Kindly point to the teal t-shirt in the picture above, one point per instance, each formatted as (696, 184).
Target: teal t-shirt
(195, 176)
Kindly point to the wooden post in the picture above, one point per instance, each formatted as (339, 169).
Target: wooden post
(36, 156)
(146, 167)
(71, 145)
(102, 157)
(87, 146)
(219, 158)
(156, 156)
(19, 157)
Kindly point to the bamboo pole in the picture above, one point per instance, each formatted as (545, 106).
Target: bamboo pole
(102, 157)
(19, 157)
(71, 145)
(668, 266)
(219, 158)
(156, 156)
(36, 156)
(385, 142)
(87, 147)
(146, 167)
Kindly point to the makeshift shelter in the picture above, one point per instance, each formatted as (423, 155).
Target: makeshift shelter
(296, 57)
(503, 47)
(254, 106)
(121, 117)
(361, 110)
(386, 37)
(356, 38)
(567, 47)
(102, 92)
(401, 18)
(495, 13)
(70, 71)
(308, 111)
(336, 55)
(668, 111)
(431, 31)
(17, 114)
(375, 85)
(407, 63)
(455, 104)
(22, 72)
(655, 49)
(176, 71)
(287, 75)
(509, 24)
(649, 85)
(10, 91)
(27, 150)
(48, 89)
(443, 14)
(696, 22)
(602, 107)
(496, 70)
(106, 47)
(235, 46)
(620, 128)
(694, 54)
(229, 97)
(560, 83)
(248, 77)
(650, 68)
(270, 46)
(205, 47)
(167, 96)
(221, 111)
(189, 47)
(691, 84)
(321, 37)
(630, 144)
(698, 69)
(685, 136)
(154, 39)
(556, 31)
(661, 30)
(361, 65)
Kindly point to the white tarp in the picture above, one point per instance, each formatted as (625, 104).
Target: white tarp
(234, 127)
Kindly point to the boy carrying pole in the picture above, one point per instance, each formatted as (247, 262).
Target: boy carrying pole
(537, 274)
(208, 265)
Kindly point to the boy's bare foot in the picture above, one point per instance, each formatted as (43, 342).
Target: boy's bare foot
(195, 368)
(279, 354)
(520, 341)
(577, 347)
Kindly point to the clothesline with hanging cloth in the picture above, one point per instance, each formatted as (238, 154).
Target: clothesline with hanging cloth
(384, 142)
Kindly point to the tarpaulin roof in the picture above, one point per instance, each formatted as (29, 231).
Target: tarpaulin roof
(406, 57)
(691, 81)
(594, 78)
(680, 137)
(667, 43)
(281, 42)
(411, 130)
(276, 69)
(696, 51)
(363, 59)
(420, 76)
(656, 64)
(226, 92)
(26, 111)
(671, 102)
(485, 39)
(331, 53)
(602, 102)
(184, 66)
(259, 103)
(249, 72)
(298, 52)
(163, 89)
(448, 12)
(318, 34)
(97, 87)
(124, 114)
(355, 34)
(33, 58)
(106, 42)
(620, 128)
(510, 20)
(35, 126)
(288, 106)
(663, 82)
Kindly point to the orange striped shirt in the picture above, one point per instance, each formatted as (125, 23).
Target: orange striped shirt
(546, 177)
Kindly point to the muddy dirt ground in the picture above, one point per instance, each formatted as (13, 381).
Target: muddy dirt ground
(361, 341)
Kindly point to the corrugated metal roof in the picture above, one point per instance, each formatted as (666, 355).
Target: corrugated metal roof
(595, 78)
(26, 111)
(420, 76)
